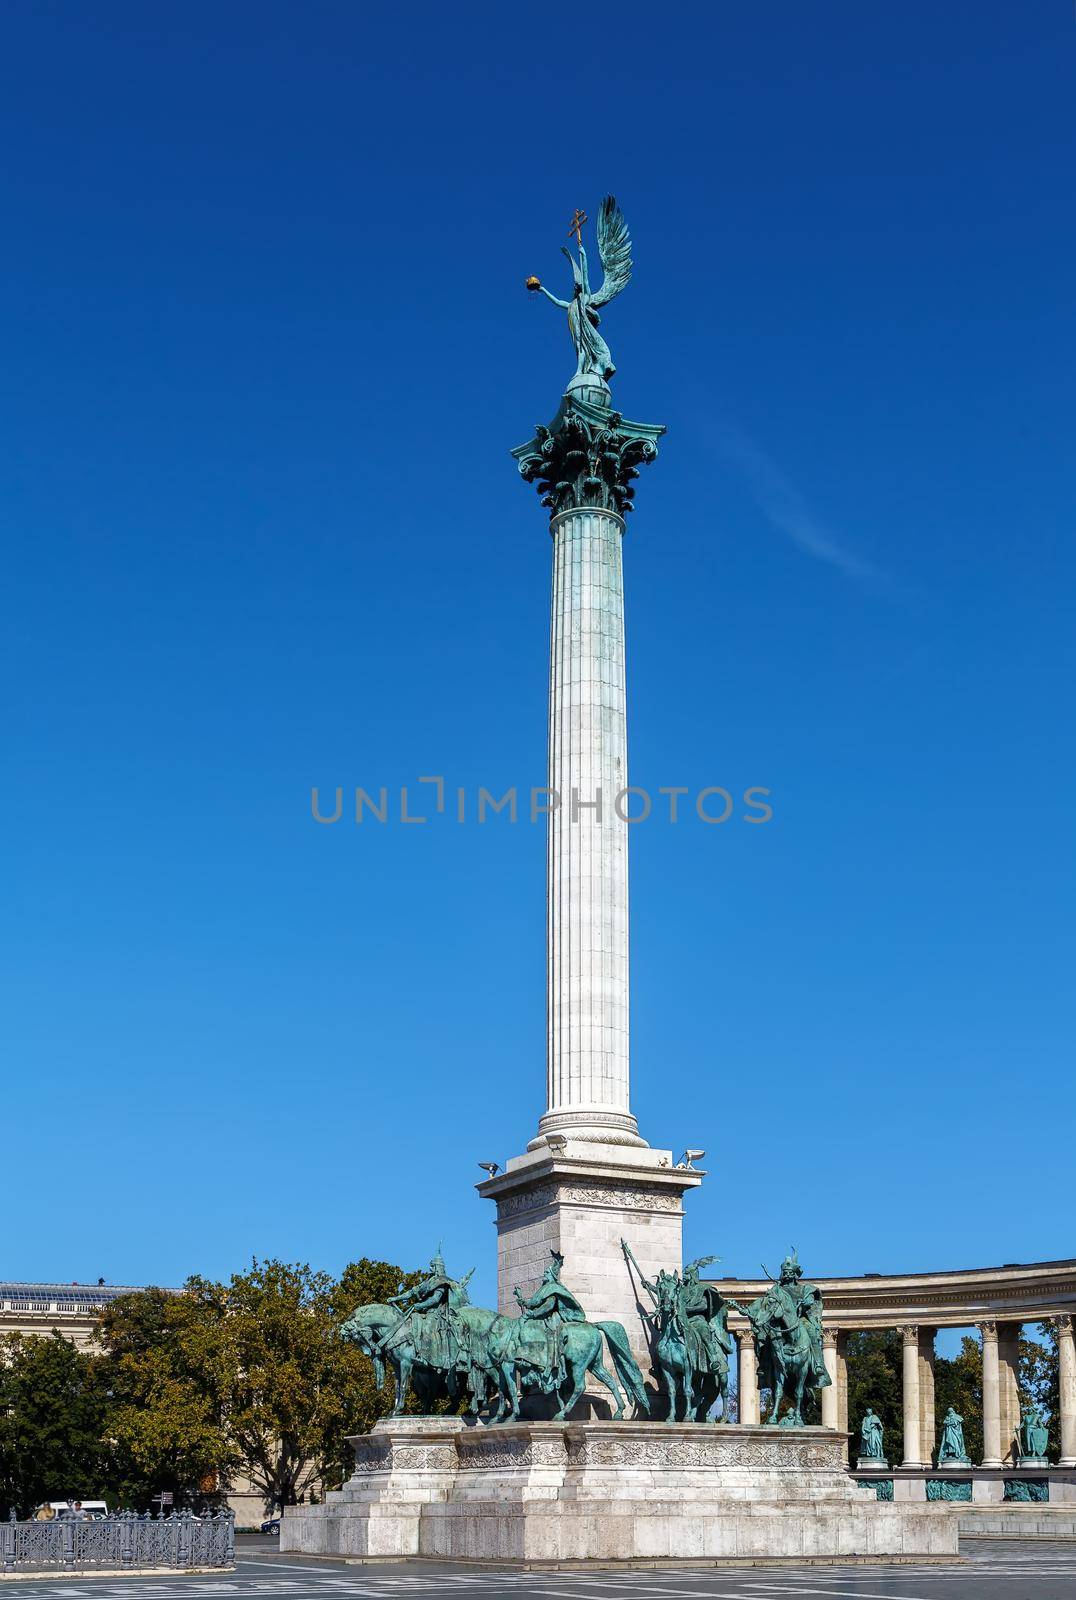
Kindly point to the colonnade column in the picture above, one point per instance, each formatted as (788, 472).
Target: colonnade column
(991, 1396)
(747, 1378)
(842, 1381)
(1009, 1388)
(1066, 1363)
(910, 1374)
(927, 1421)
(830, 1407)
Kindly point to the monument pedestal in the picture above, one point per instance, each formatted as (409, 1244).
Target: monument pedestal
(871, 1464)
(582, 1201)
(556, 1493)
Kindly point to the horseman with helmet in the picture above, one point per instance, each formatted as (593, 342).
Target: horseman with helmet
(787, 1322)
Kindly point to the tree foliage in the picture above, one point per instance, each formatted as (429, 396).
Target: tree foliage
(874, 1379)
(245, 1379)
(958, 1382)
(162, 1360)
(53, 1407)
(289, 1374)
(1039, 1380)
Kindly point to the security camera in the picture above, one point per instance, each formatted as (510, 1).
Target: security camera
(492, 1167)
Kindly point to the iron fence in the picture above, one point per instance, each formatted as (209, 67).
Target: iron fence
(126, 1540)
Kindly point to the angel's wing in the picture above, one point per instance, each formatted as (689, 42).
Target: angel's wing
(614, 247)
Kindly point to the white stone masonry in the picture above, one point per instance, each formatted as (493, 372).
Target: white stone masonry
(587, 859)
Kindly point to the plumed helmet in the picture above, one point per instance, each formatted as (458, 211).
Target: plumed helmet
(790, 1266)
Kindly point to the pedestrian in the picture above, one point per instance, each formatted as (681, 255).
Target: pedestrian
(45, 1513)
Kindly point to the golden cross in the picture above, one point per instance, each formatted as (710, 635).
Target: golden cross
(576, 226)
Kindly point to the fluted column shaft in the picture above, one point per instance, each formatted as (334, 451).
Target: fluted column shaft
(910, 1374)
(830, 1403)
(991, 1396)
(587, 856)
(927, 1421)
(1009, 1388)
(1066, 1364)
(747, 1378)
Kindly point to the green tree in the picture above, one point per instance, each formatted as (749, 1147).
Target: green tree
(166, 1381)
(363, 1282)
(1039, 1380)
(958, 1382)
(52, 1422)
(284, 1364)
(874, 1379)
(245, 1379)
(296, 1388)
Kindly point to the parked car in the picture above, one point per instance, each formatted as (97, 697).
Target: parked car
(271, 1525)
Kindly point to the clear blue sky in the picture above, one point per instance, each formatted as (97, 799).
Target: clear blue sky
(266, 350)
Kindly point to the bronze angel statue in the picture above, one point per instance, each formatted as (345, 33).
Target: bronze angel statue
(593, 360)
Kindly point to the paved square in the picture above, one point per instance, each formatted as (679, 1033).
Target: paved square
(993, 1570)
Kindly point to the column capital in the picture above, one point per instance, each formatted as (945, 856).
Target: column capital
(830, 1337)
(910, 1333)
(989, 1330)
(587, 458)
(745, 1338)
(1063, 1322)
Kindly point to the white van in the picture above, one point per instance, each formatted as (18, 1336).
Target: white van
(91, 1508)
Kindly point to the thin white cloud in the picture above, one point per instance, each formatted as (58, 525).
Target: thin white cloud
(786, 509)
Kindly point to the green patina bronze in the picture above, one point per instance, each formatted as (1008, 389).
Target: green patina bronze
(551, 1347)
(870, 1437)
(1032, 1436)
(592, 358)
(1035, 1490)
(589, 456)
(948, 1488)
(787, 1324)
(691, 1341)
(445, 1348)
(428, 1336)
(952, 1446)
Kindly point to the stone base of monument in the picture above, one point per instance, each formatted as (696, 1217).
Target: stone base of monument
(558, 1493)
(871, 1464)
(1033, 1461)
(954, 1464)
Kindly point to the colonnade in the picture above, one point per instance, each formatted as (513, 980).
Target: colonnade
(1001, 1394)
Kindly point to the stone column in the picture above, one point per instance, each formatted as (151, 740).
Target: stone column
(842, 1381)
(588, 1181)
(587, 856)
(1066, 1362)
(927, 1421)
(991, 1396)
(1009, 1388)
(747, 1378)
(830, 1406)
(912, 1457)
